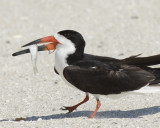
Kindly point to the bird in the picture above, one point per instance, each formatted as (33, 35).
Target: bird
(94, 74)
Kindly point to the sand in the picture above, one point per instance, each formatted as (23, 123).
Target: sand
(117, 28)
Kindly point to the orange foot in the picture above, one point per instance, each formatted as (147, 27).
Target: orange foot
(97, 107)
(72, 108)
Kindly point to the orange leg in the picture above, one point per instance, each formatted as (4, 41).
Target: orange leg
(98, 106)
(72, 108)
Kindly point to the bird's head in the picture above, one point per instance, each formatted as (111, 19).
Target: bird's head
(64, 39)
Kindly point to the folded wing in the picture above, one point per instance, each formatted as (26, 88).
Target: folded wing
(100, 78)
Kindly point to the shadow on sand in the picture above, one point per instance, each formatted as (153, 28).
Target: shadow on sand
(137, 113)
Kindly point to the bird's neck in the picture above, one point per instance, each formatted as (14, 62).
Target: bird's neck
(78, 55)
(65, 56)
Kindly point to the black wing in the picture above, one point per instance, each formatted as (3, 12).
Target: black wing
(142, 62)
(100, 78)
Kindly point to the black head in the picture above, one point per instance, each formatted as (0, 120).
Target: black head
(79, 43)
(74, 37)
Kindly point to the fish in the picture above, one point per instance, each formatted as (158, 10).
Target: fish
(34, 50)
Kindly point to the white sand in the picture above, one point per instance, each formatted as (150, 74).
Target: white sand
(117, 28)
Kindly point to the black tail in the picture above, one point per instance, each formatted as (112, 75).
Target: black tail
(144, 62)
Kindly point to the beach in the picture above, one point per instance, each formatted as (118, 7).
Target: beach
(116, 28)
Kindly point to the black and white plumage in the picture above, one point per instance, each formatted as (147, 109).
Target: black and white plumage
(96, 74)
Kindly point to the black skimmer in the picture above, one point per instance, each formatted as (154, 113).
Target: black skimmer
(97, 75)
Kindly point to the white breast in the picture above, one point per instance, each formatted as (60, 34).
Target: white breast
(63, 50)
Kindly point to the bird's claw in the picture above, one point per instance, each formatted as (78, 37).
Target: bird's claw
(63, 108)
(70, 109)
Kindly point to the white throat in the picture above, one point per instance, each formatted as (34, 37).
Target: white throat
(63, 50)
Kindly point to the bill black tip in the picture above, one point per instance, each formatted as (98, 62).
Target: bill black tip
(14, 54)
(21, 52)
(40, 48)
(33, 42)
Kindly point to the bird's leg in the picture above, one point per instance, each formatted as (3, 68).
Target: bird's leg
(97, 107)
(72, 108)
